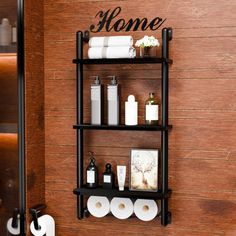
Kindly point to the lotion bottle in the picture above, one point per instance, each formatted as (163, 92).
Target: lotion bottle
(96, 101)
(113, 101)
(92, 172)
(5, 33)
(131, 111)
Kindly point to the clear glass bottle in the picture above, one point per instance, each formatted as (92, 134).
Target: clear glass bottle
(151, 110)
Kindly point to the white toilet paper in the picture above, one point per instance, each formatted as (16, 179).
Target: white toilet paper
(98, 206)
(11, 230)
(145, 210)
(122, 208)
(47, 225)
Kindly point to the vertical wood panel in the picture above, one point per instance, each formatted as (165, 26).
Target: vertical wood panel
(34, 106)
(202, 110)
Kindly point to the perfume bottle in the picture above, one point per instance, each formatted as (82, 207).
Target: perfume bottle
(92, 172)
(108, 177)
(152, 110)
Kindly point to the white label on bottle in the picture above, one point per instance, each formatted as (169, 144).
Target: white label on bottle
(95, 92)
(151, 112)
(107, 179)
(112, 93)
(90, 176)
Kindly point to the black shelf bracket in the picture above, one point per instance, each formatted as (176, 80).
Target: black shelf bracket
(86, 36)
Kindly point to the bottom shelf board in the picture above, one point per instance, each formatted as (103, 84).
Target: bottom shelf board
(99, 191)
(8, 127)
(87, 214)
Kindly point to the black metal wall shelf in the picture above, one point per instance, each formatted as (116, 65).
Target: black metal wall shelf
(164, 192)
(154, 60)
(99, 191)
(124, 127)
(8, 49)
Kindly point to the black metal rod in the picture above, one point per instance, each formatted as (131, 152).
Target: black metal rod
(164, 134)
(79, 95)
(21, 112)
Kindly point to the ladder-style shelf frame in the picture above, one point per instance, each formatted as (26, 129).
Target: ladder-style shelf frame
(164, 193)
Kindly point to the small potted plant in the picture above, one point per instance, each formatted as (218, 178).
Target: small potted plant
(147, 46)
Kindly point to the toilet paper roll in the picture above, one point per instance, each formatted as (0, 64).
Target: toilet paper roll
(98, 206)
(145, 210)
(122, 208)
(47, 224)
(11, 230)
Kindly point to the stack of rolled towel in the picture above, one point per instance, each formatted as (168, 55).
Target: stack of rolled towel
(111, 47)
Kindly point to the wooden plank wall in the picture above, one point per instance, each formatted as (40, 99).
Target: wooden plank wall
(202, 111)
(34, 105)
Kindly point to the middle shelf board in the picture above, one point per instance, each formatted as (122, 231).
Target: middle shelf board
(99, 191)
(124, 127)
(150, 60)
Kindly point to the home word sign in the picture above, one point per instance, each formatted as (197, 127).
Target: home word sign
(108, 21)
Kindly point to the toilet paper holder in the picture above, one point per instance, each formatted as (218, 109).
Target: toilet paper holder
(35, 211)
(15, 216)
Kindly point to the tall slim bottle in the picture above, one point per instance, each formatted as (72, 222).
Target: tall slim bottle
(113, 101)
(96, 102)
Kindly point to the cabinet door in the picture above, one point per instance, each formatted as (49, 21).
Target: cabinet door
(10, 172)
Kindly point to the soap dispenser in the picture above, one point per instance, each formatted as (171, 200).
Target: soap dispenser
(113, 101)
(108, 177)
(96, 101)
(92, 173)
(131, 111)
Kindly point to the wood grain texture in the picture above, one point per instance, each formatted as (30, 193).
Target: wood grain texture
(202, 111)
(8, 89)
(34, 106)
(9, 186)
(8, 9)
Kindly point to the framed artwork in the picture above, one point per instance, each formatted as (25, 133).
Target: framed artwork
(144, 170)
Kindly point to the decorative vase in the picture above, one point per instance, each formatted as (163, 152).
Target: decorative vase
(147, 52)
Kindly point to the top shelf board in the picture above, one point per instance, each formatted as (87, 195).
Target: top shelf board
(151, 60)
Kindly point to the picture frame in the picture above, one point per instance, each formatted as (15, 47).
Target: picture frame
(144, 170)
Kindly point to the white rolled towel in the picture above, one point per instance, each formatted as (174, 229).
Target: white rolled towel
(111, 52)
(112, 41)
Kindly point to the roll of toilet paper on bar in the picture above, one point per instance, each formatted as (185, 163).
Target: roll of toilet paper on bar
(11, 230)
(98, 206)
(145, 210)
(47, 226)
(122, 208)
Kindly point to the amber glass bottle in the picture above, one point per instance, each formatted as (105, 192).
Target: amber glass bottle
(151, 110)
